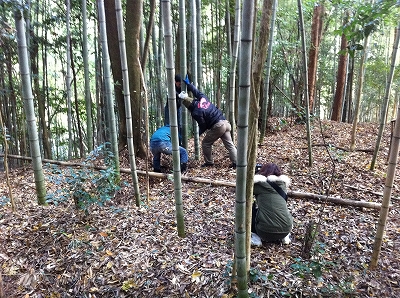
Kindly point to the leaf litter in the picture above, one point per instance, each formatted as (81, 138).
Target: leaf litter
(120, 250)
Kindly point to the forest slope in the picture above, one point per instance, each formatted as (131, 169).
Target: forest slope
(119, 250)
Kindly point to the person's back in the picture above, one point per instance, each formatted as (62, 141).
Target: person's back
(160, 142)
(272, 220)
(203, 111)
(273, 213)
(163, 134)
(210, 119)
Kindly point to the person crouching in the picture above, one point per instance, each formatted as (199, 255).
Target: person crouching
(271, 219)
(160, 142)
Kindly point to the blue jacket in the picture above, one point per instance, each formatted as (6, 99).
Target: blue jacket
(203, 111)
(162, 134)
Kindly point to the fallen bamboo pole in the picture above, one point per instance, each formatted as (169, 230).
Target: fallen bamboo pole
(292, 194)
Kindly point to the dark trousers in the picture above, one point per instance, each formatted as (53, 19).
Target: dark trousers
(253, 217)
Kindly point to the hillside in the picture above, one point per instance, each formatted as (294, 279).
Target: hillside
(119, 250)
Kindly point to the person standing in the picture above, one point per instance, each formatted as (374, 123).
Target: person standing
(210, 119)
(271, 219)
(160, 142)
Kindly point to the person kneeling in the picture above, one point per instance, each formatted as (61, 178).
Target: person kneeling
(271, 219)
(160, 142)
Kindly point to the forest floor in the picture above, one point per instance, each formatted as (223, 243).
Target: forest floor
(120, 250)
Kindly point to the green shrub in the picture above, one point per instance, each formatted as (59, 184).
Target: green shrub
(86, 185)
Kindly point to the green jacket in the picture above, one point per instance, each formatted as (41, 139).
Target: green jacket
(273, 215)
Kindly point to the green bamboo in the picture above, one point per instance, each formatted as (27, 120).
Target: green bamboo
(127, 97)
(305, 80)
(233, 66)
(169, 63)
(268, 73)
(29, 106)
(109, 94)
(88, 98)
(245, 62)
(183, 68)
(385, 104)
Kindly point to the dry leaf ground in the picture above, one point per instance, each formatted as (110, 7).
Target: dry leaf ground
(119, 250)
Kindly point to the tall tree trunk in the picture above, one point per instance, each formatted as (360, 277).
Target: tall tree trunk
(195, 75)
(12, 121)
(108, 88)
(233, 66)
(264, 108)
(198, 28)
(88, 98)
(257, 69)
(68, 81)
(29, 107)
(41, 100)
(78, 118)
(340, 82)
(347, 106)
(305, 76)
(183, 68)
(316, 33)
(125, 75)
(246, 46)
(169, 63)
(45, 80)
(99, 90)
(360, 83)
(390, 174)
(157, 79)
(149, 30)
(115, 59)
(386, 98)
(133, 24)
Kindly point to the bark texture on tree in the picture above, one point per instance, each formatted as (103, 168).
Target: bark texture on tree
(149, 30)
(133, 24)
(115, 59)
(340, 82)
(316, 34)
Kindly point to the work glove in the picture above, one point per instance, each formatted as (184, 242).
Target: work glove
(186, 80)
(183, 95)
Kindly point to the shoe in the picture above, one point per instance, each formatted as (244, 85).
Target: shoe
(255, 240)
(286, 240)
(183, 167)
(157, 170)
(232, 166)
(207, 165)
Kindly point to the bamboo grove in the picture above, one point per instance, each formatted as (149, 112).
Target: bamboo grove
(70, 106)
(78, 74)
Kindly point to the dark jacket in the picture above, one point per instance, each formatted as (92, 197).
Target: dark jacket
(178, 105)
(178, 99)
(273, 215)
(203, 111)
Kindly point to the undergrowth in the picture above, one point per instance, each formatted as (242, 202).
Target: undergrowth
(86, 185)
